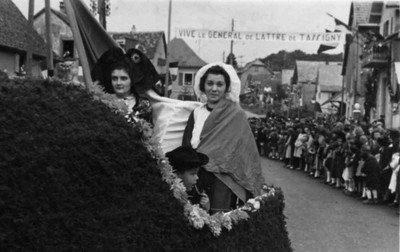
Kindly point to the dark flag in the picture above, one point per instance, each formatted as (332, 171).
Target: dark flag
(341, 26)
(95, 39)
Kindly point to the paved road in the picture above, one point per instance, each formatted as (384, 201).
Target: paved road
(321, 218)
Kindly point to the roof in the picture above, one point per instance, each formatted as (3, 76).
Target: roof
(330, 78)
(287, 75)
(313, 71)
(256, 62)
(147, 41)
(307, 71)
(179, 51)
(14, 28)
(365, 13)
(59, 14)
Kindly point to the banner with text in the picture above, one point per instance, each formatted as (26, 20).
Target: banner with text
(319, 37)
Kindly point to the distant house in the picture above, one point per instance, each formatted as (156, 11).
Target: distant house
(306, 79)
(61, 33)
(330, 87)
(255, 75)
(14, 41)
(286, 81)
(152, 44)
(188, 64)
(287, 75)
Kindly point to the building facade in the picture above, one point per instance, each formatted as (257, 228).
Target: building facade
(364, 19)
(254, 76)
(61, 34)
(381, 59)
(187, 63)
(15, 42)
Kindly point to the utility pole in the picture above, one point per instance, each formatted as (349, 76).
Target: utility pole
(357, 68)
(29, 39)
(102, 13)
(50, 67)
(231, 55)
(166, 53)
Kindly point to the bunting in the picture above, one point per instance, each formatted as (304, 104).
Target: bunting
(339, 27)
(327, 46)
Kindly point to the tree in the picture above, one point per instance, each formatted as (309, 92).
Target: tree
(231, 60)
(287, 60)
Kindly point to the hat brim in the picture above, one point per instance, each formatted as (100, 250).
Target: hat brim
(203, 158)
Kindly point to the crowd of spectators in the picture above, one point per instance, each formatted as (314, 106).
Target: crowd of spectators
(360, 159)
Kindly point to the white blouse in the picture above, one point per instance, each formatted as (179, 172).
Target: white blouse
(200, 116)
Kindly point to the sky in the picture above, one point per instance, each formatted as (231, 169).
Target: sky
(247, 15)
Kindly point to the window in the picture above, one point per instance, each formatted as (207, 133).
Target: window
(161, 62)
(185, 79)
(385, 31)
(68, 49)
(391, 26)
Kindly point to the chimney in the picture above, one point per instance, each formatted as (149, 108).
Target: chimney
(133, 29)
(62, 7)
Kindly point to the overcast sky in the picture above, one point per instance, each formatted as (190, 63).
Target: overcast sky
(248, 15)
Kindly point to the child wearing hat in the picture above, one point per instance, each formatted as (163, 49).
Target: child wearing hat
(187, 163)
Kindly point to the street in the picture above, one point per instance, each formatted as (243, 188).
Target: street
(322, 218)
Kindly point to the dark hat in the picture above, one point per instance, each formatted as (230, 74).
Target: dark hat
(383, 141)
(185, 157)
(340, 135)
(394, 134)
(141, 71)
(146, 73)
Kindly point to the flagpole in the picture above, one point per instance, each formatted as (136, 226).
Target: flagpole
(29, 37)
(167, 54)
(50, 66)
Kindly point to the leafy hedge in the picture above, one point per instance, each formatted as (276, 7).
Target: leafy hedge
(74, 177)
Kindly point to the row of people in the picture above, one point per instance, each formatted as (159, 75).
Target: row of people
(363, 160)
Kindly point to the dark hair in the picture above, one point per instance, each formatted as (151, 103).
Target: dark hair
(120, 65)
(215, 70)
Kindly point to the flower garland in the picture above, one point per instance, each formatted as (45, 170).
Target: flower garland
(197, 216)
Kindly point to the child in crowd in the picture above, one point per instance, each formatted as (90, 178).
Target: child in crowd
(187, 163)
(371, 170)
(394, 180)
(273, 144)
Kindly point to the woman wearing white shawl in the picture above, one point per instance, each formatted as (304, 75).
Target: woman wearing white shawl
(220, 129)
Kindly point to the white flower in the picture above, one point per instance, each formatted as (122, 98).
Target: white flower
(256, 205)
(227, 221)
(195, 217)
(215, 226)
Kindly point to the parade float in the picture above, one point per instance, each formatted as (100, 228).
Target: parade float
(77, 175)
